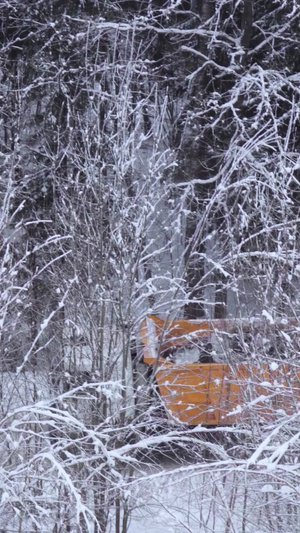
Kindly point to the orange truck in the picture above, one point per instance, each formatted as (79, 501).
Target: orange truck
(212, 393)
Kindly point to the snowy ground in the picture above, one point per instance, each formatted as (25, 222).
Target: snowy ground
(181, 495)
(214, 502)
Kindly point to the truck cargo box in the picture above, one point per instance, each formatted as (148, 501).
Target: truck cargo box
(217, 393)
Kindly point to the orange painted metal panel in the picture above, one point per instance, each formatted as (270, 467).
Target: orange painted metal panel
(216, 394)
(172, 334)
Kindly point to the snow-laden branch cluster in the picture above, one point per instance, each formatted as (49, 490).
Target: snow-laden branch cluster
(150, 164)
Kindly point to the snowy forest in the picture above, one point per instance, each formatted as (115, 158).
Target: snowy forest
(150, 165)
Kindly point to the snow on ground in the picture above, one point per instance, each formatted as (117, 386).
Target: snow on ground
(17, 390)
(214, 502)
